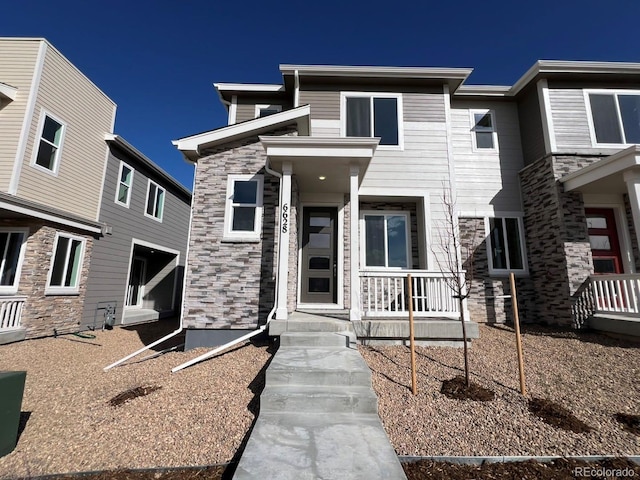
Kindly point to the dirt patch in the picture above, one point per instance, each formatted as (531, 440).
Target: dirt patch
(132, 393)
(631, 423)
(556, 415)
(457, 389)
(529, 470)
(198, 473)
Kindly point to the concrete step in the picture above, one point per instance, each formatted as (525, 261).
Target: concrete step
(315, 339)
(308, 323)
(329, 366)
(331, 313)
(313, 399)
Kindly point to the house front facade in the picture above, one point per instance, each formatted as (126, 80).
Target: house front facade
(324, 192)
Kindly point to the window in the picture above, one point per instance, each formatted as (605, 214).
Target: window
(484, 130)
(386, 239)
(266, 110)
(373, 115)
(155, 201)
(243, 214)
(506, 244)
(125, 181)
(615, 117)
(50, 143)
(66, 265)
(11, 253)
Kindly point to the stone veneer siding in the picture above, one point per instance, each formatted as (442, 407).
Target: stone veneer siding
(485, 302)
(45, 315)
(557, 240)
(230, 285)
(292, 287)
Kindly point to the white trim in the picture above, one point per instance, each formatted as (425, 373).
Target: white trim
(355, 307)
(155, 198)
(230, 235)
(8, 92)
(119, 181)
(284, 224)
(233, 110)
(619, 162)
(13, 289)
(266, 106)
(363, 243)
(296, 89)
(248, 87)
(474, 133)
(614, 93)
(28, 119)
(105, 167)
(439, 73)
(544, 101)
(36, 143)
(372, 95)
(519, 216)
(62, 290)
(47, 216)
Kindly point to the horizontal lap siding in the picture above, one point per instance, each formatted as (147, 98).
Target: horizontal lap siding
(325, 105)
(487, 180)
(67, 94)
(569, 114)
(531, 129)
(246, 107)
(18, 60)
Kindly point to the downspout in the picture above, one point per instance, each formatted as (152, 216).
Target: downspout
(184, 287)
(249, 335)
(296, 90)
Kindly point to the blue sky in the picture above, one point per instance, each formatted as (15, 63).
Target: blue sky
(158, 59)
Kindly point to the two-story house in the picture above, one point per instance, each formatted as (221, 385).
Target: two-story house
(56, 162)
(322, 194)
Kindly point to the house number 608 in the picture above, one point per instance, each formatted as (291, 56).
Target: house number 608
(285, 218)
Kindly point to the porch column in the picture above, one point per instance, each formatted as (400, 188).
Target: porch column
(283, 248)
(354, 242)
(632, 179)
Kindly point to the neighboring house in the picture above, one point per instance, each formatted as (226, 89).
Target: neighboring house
(324, 192)
(55, 131)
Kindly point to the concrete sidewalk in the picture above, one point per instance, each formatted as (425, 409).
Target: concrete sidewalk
(318, 415)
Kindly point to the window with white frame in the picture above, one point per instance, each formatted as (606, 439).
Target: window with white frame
(66, 265)
(125, 182)
(615, 116)
(50, 143)
(266, 110)
(155, 201)
(11, 254)
(373, 115)
(484, 130)
(243, 213)
(506, 240)
(386, 239)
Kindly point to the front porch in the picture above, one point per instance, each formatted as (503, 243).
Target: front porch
(616, 304)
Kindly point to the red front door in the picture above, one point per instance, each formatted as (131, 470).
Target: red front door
(603, 237)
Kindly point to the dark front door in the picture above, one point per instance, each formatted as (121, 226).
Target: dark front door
(603, 237)
(319, 246)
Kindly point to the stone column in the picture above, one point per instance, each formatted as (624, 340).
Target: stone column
(283, 247)
(354, 313)
(632, 179)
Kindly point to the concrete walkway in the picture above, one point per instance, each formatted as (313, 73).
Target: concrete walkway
(318, 415)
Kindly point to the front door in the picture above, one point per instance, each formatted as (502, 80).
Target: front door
(603, 237)
(135, 290)
(319, 246)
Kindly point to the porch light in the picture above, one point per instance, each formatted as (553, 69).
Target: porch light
(322, 177)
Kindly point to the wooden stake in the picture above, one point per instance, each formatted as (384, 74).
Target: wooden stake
(516, 323)
(414, 386)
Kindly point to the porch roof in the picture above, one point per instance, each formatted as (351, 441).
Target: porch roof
(606, 175)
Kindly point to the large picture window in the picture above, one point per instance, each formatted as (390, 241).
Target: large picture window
(615, 117)
(373, 115)
(11, 252)
(66, 265)
(386, 239)
(50, 143)
(155, 201)
(243, 213)
(506, 244)
(125, 182)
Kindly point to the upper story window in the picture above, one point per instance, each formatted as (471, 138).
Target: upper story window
(506, 240)
(243, 209)
(11, 255)
(373, 115)
(155, 201)
(484, 130)
(47, 152)
(615, 116)
(266, 110)
(386, 239)
(66, 265)
(125, 182)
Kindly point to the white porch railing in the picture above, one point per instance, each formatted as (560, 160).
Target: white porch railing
(617, 293)
(384, 294)
(11, 312)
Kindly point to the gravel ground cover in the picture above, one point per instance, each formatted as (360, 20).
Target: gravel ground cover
(201, 415)
(592, 375)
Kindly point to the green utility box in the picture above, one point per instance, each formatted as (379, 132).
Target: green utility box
(11, 391)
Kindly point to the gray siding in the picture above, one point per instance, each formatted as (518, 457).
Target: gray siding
(246, 107)
(569, 115)
(531, 130)
(325, 104)
(423, 107)
(109, 273)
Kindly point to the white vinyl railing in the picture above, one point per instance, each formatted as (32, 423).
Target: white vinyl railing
(11, 312)
(616, 293)
(385, 294)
